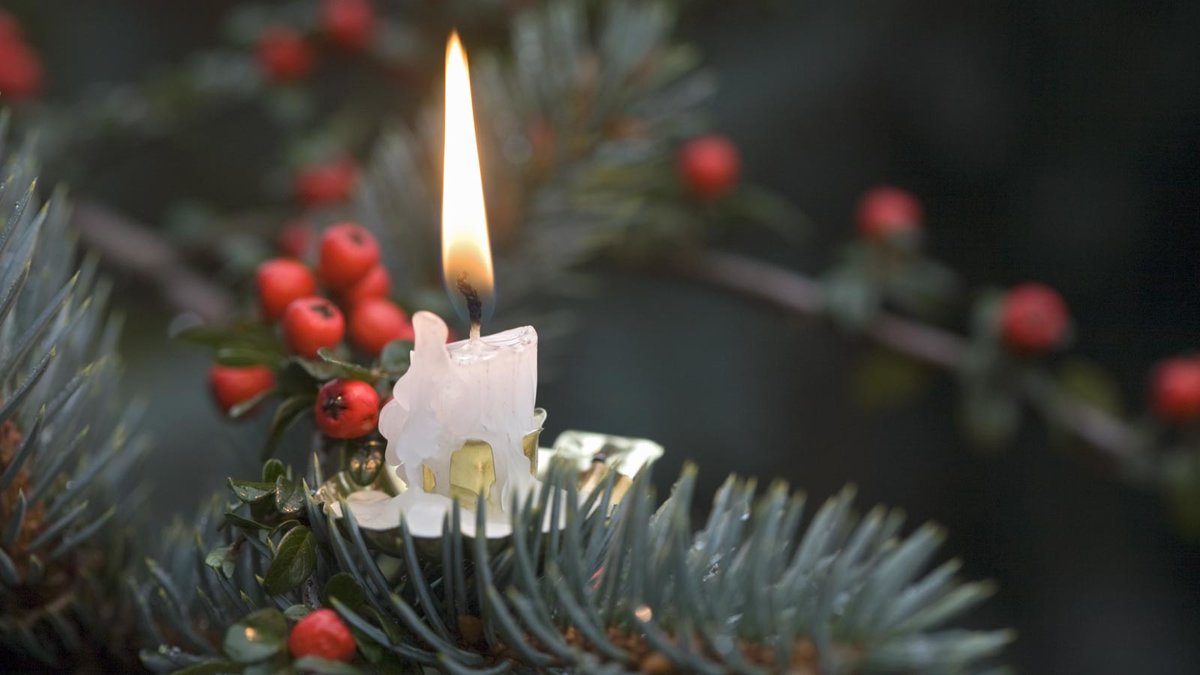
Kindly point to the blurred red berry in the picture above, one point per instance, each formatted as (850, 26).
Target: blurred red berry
(348, 252)
(322, 634)
(295, 239)
(1175, 389)
(709, 166)
(348, 23)
(376, 322)
(1033, 319)
(375, 284)
(284, 55)
(232, 386)
(347, 408)
(310, 324)
(280, 281)
(330, 183)
(20, 71)
(886, 210)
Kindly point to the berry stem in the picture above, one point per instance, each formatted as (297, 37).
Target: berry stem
(1110, 437)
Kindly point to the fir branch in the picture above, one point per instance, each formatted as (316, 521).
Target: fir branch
(753, 590)
(67, 440)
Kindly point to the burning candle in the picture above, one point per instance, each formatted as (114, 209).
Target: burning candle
(462, 422)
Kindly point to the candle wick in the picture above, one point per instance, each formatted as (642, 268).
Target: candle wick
(474, 303)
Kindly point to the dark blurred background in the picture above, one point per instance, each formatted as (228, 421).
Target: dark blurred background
(1051, 141)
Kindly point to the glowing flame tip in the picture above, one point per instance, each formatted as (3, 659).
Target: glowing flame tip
(466, 253)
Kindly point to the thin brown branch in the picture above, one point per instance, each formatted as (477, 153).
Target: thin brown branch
(1111, 437)
(140, 252)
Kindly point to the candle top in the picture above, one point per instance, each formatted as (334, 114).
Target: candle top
(489, 346)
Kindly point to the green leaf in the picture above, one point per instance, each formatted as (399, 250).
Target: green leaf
(244, 523)
(223, 559)
(883, 378)
(251, 334)
(285, 415)
(246, 356)
(272, 469)
(318, 370)
(396, 356)
(211, 668)
(289, 496)
(294, 562)
(249, 404)
(297, 612)
(312, 664)
(1181, 481)
(344, 589)
(248, 491)
(347, 370)
(294, 379)
(768, 210)
(1089, 382)
(258, 637)
(278, 665)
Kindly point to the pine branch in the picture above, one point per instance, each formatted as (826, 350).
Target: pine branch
(67, 440)
(753, 590)
(1108, 436)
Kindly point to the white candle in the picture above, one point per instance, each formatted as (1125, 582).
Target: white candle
(462, 421)
(473, 391)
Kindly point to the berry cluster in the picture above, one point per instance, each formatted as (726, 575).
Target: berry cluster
(348, 269)
(20, 67)
(311, 309)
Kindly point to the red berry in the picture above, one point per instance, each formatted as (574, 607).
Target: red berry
(376, 322)
(885, 210)
(284, 55)
(348, 23)
(709, 166)
(347, 408)
(1175, 389)
(20, 71)
(322, 184)
(280, 281)
(348, 253)
(322, 634)
(232, 386)
(1033, 318)
(375, 284)
(295, 239)
(310, 324)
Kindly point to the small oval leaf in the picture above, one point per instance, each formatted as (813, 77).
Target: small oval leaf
(294, 561)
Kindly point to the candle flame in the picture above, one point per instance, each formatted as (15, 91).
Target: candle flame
(466, 253)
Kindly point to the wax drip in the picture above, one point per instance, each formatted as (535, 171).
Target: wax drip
(474, 304)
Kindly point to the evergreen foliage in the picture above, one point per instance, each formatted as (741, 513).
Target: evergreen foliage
(756, 589)
(67, 440)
